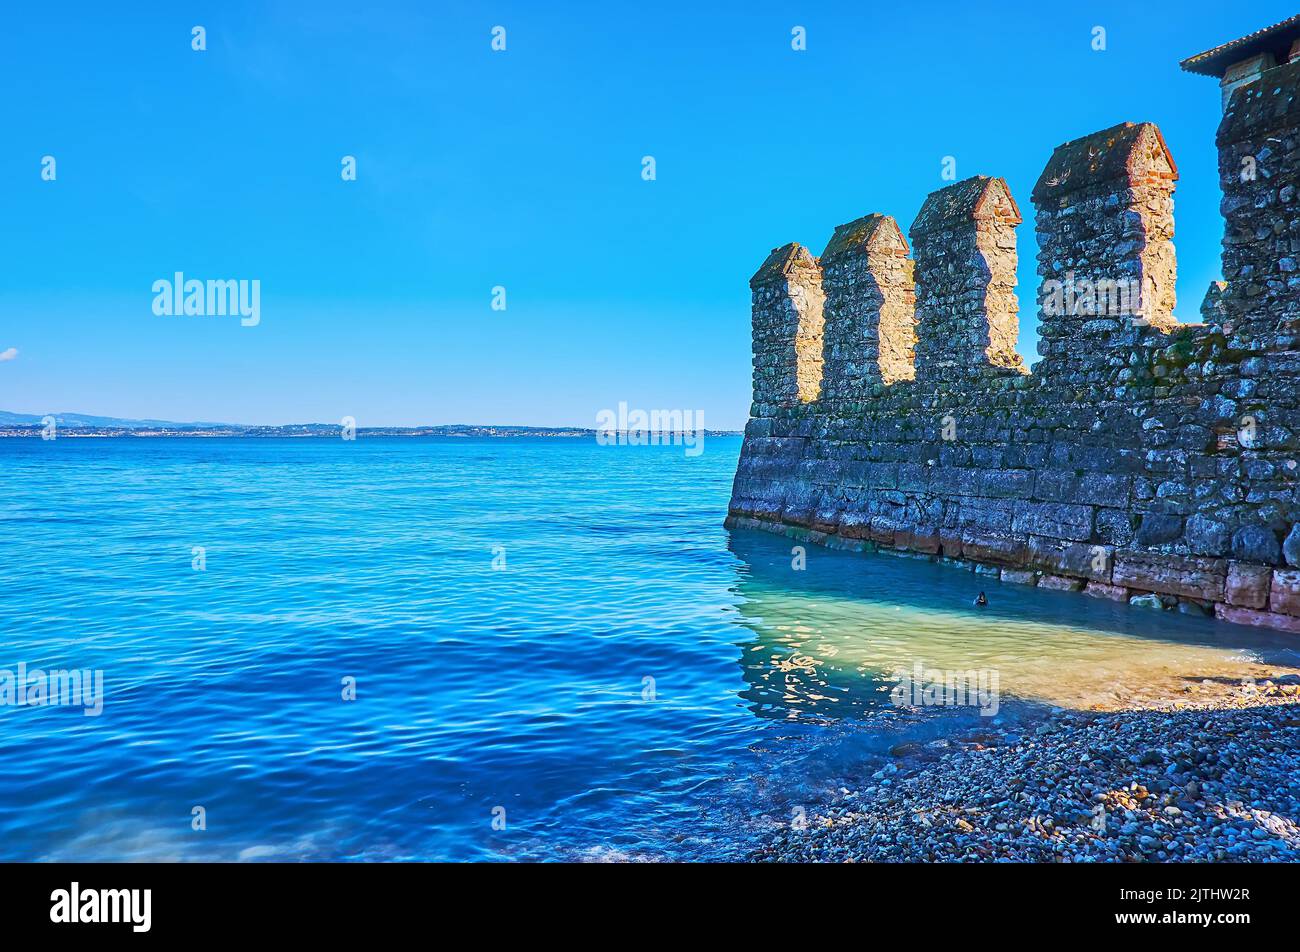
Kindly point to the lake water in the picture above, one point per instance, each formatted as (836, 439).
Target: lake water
(558, 651)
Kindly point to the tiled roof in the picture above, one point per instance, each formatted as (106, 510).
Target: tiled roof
(1275, 39)
(1260, 107)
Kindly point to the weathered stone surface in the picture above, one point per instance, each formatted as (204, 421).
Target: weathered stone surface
(1059, 557)
(1247, 585)
(964, 241)
(870, 320)
(1291, 547)
(1147, 601)
(992, 548)
(1285, 594)
(1115, 593)
(1171, 574)
(1158, 528)
(1256, 544)
(1139, 455)
(1019, 577)
(787, 298)
(1248, 616)
(1206, 536)
(1060, 583)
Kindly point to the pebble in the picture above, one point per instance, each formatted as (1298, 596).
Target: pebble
(1210, 784)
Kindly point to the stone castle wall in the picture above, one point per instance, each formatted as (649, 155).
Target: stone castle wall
(1142, 456)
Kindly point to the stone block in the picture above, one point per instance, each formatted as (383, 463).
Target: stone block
(1059, 583)
(1248, 616)
(1055, 520)
(1247, 585)
(1171, 574)
(1116, 593)
(1284, 596)
(1291, 547)
(1159, 528)
(1256, 544)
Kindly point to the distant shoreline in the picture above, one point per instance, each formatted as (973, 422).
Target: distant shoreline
(316, 431)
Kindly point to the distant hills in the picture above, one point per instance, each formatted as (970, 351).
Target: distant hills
(85, 419)
(85, 424)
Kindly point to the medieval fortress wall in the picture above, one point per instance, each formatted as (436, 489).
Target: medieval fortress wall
(1141, 455)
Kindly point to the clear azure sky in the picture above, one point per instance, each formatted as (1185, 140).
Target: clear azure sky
(522, 169)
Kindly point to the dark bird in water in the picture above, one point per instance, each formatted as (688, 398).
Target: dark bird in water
(981, 601)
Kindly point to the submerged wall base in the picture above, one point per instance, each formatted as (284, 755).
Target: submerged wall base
(1152, 580)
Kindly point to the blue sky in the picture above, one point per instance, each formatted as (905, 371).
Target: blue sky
(522, 169)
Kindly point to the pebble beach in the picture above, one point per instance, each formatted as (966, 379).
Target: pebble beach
(1209, 780)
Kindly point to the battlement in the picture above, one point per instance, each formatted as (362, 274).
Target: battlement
(870, 324)
(1141, 455)
(965, 246)
(787, 298)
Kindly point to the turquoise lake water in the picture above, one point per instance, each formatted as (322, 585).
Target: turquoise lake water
(549, 634)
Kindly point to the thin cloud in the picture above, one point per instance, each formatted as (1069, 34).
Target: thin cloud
(9, 354)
